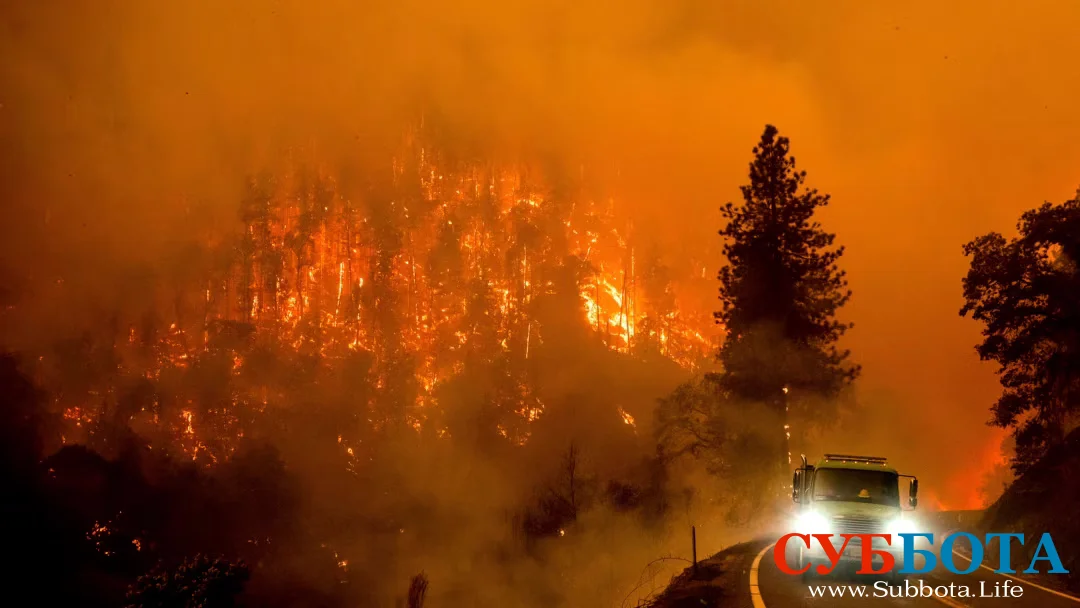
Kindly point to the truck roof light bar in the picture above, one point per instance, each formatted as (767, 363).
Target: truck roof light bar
(851, 458)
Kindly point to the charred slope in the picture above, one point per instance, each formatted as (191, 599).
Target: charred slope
(1040, 501)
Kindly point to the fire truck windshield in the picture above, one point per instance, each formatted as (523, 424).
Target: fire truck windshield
(857, 485)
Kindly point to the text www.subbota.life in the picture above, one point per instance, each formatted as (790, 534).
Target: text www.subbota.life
(919, 588)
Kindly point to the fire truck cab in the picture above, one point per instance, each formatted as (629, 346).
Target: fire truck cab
(847, 494)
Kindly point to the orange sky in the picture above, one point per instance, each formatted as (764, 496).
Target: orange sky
(929, 124)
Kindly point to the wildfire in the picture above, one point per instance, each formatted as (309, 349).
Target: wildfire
(188, 417)
(77, 416)
(448, 266)
(98, 535)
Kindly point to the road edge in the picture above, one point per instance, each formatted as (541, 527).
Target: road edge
(755, 590)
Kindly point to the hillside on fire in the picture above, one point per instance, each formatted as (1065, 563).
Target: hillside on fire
(444, 370)
(453, 375)
(532, 303)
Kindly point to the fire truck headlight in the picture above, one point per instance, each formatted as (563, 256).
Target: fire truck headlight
(811, 522)
(901, 525)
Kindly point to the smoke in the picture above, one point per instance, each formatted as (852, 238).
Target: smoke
(128, 129)
(123, 119)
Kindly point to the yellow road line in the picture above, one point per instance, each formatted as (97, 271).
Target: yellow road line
(755, 591)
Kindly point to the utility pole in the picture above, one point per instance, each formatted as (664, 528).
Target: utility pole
(693, 547)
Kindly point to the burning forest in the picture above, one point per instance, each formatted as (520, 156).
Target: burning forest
(403, 304)
(439, 315)
(432, 274)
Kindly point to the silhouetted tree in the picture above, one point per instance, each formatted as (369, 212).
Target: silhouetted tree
(698, 420)
(781, 289)
(417, 590)
(564, 499)
(1024, 291)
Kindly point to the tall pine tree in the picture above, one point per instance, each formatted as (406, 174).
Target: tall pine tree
(780, 292)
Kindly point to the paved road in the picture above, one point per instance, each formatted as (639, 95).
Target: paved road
(778, 590)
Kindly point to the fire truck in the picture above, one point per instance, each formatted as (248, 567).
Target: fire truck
(847, 494)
